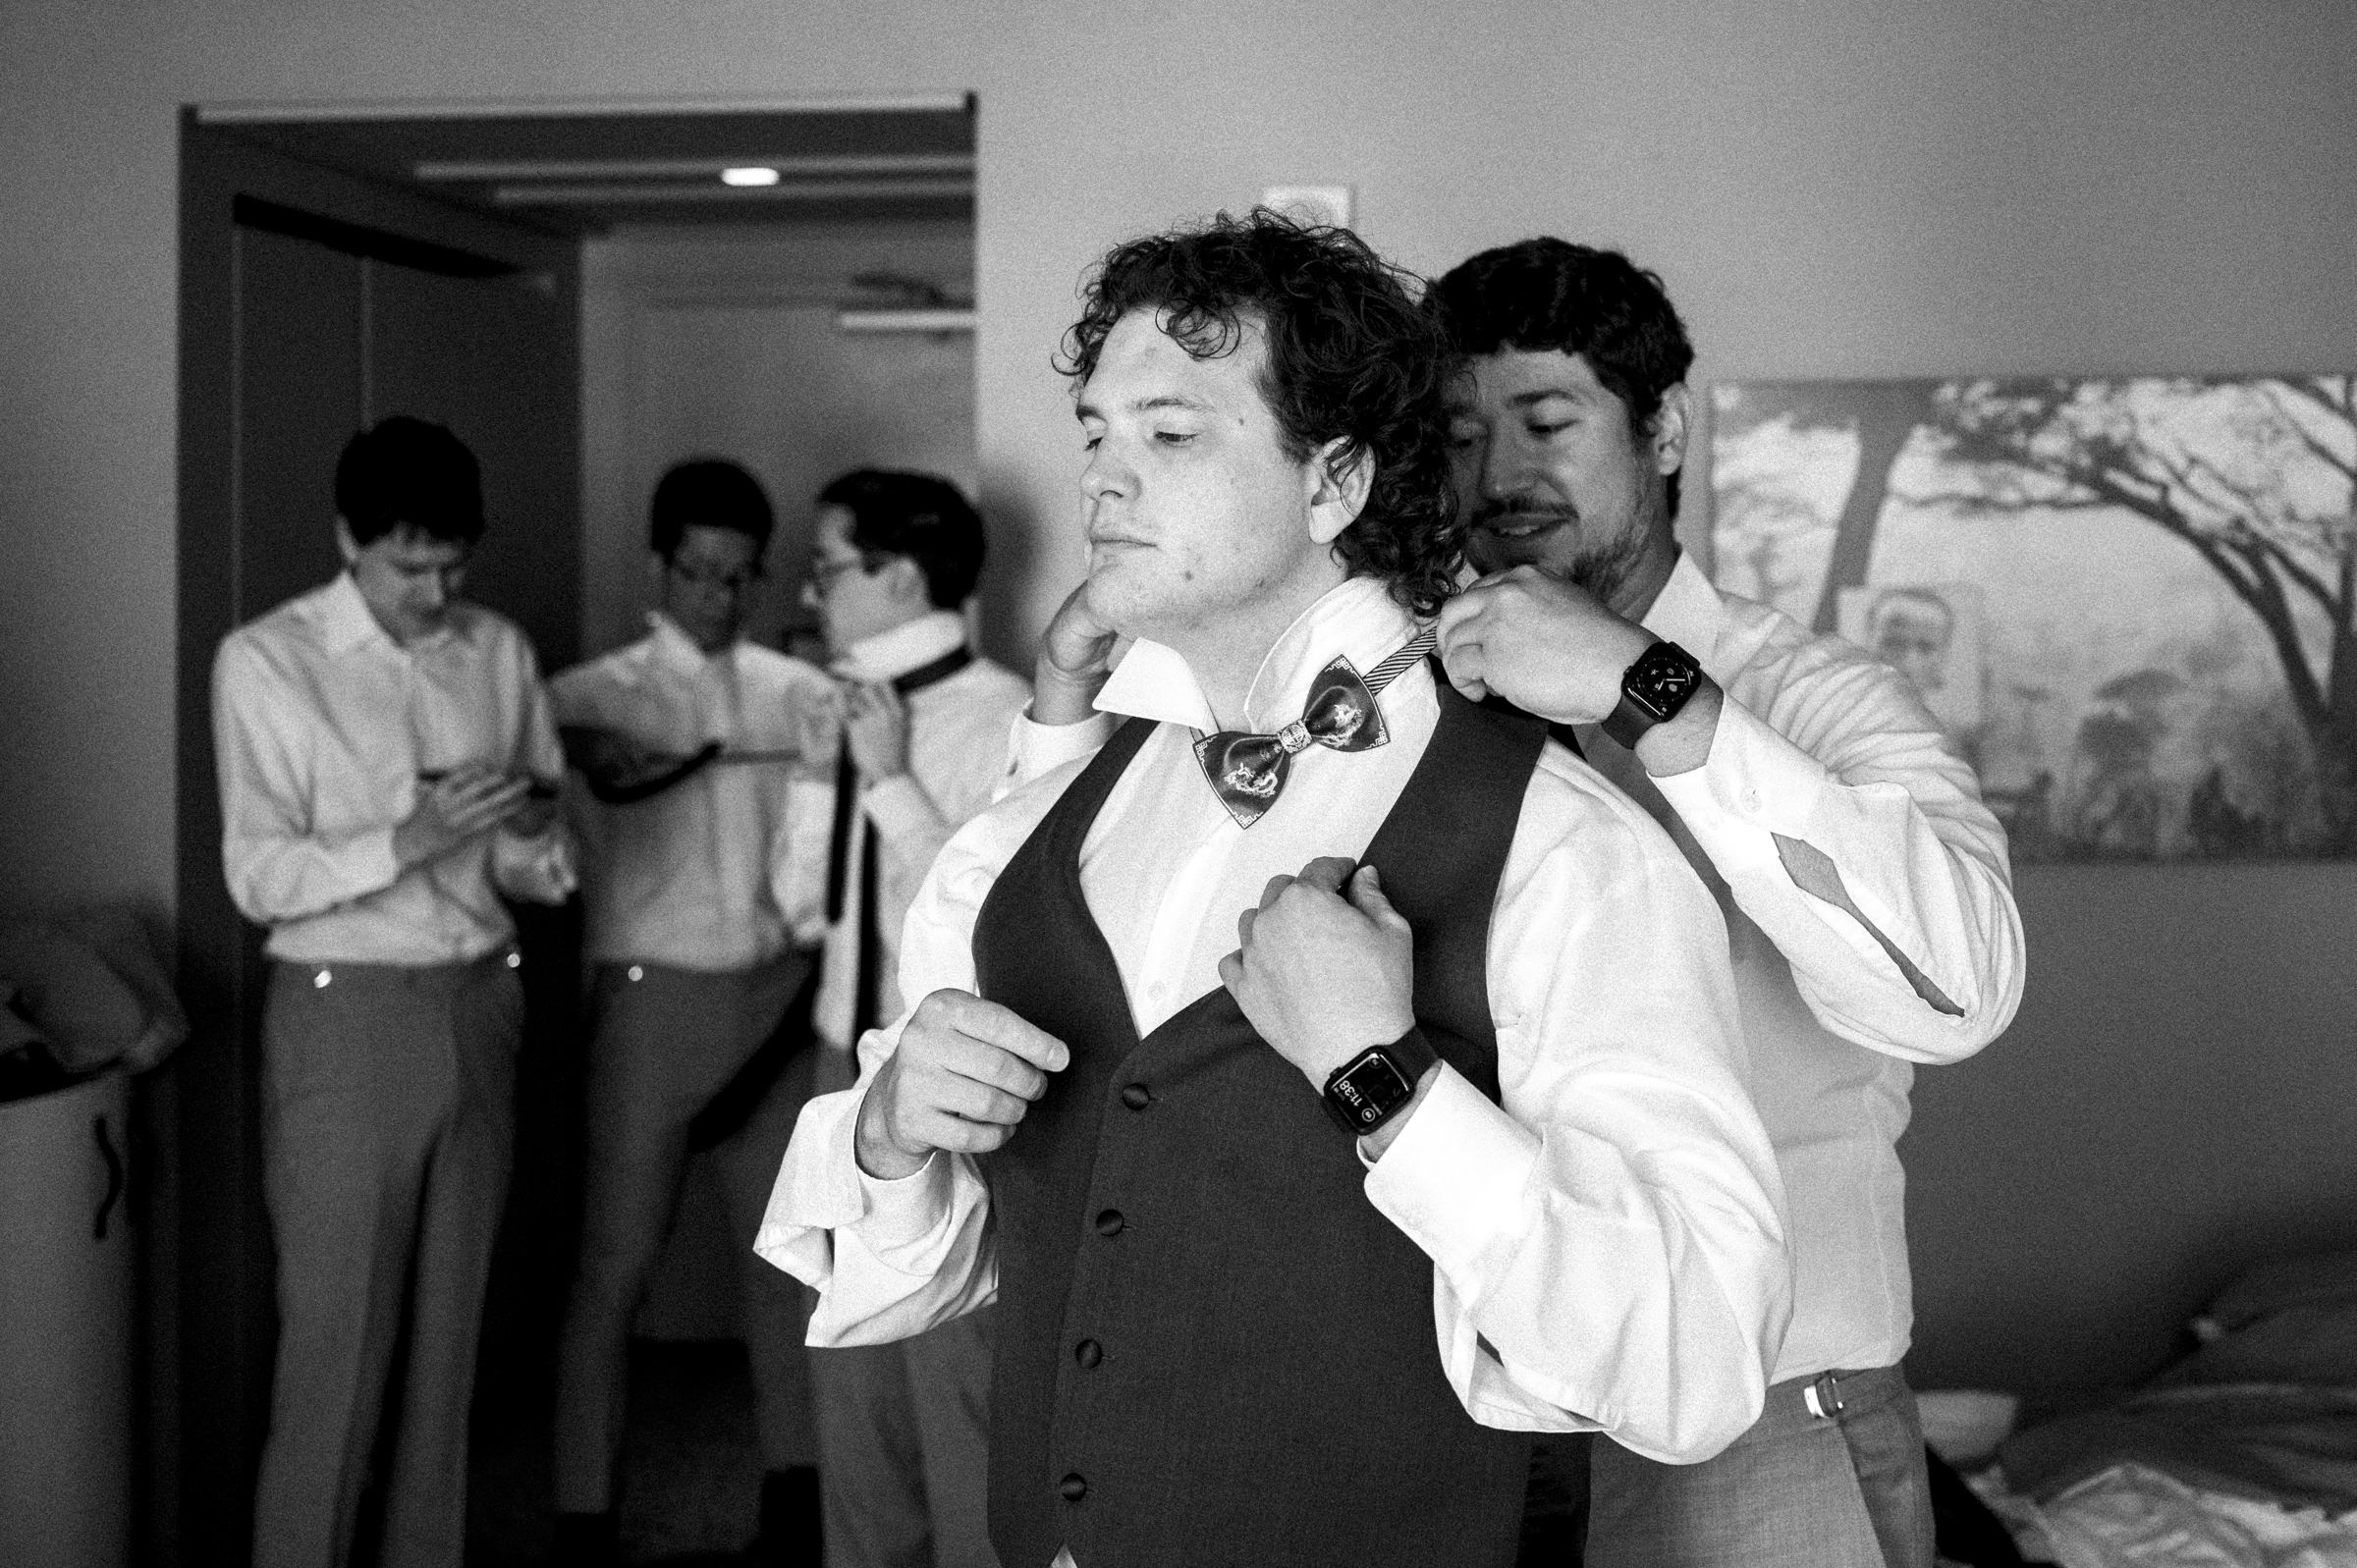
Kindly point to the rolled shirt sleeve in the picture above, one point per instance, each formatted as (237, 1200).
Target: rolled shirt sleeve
(1851, 834)
(1608, 1241)
(891, 1259)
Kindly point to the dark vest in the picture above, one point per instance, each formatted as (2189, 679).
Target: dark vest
(1210, 1347)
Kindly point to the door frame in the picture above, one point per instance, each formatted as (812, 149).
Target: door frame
(210, 1325)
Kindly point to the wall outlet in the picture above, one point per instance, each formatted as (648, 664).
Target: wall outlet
(1327, 205)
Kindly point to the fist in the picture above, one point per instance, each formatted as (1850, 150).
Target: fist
(1548, 646)
(965, 1072)
(875, 726)
(1326, 967)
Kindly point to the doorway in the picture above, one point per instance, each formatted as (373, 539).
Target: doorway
(576, 293)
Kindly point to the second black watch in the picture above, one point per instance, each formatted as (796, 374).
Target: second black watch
(1652, 691)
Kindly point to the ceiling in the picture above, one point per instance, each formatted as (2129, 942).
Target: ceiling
(586, 169)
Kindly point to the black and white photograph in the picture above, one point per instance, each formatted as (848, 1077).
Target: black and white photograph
(1085, 784)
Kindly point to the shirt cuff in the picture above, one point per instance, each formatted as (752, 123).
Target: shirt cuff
(1754, 784)
(1453, 1179)
(898, 807)
(1034, 748)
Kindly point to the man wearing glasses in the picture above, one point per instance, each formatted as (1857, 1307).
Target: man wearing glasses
(701, 927)
(902, 1428)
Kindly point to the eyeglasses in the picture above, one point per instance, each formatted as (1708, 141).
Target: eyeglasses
(733, 580)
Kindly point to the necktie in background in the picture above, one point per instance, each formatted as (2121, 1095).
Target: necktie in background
(866, 999)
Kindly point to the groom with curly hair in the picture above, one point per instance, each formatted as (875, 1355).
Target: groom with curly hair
(1292, 1251)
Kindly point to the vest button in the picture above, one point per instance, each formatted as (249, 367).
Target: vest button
(1137, 1097)
(1073, 1487)
(1110, 1222)
(1088, 1352)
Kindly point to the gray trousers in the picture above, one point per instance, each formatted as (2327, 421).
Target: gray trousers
(903, 1448)
(388, 1118)
(903, 1434)
(1800, 1489)
(665, 1042)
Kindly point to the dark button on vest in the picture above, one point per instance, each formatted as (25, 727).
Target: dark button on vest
(1277, 1396)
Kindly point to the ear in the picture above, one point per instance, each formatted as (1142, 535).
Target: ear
(350, 551)
(1670, 423)
(1338, 489)
(905, 581)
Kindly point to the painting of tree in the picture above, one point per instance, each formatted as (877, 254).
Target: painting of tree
(2170, 569)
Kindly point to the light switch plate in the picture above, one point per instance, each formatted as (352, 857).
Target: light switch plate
(1314, 204)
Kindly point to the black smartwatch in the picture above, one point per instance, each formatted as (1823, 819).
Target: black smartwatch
(1652, 691)
(1372, 1087)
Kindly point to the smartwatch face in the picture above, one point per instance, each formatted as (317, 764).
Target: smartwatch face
(1662, 680)
(1369, 1091)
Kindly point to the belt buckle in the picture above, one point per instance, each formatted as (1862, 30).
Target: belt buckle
(1824, 1397)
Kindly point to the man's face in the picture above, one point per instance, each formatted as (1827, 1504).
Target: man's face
(1195, 515)
(407, 577)
(1911, 635)
(852, 601)
(708, 583)
(1549, 473)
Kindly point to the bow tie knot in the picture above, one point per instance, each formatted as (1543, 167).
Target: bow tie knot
(1248, 771)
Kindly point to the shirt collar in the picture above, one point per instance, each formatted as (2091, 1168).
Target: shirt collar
(1357, 620)
(345, 619)
(911, 645)
(1687, 612)
(672, 646)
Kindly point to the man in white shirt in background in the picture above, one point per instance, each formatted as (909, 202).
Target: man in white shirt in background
(1228, 1330)
(1865, 887)
(382, 745)
(703, 926)
(904, 1428)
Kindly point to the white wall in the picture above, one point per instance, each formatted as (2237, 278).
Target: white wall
(1829, 187)
(701, 339)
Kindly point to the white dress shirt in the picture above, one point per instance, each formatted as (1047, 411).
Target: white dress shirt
(1608, 1245)
(713, 873)
(321, 724)
(957, 750)
(1820, 743)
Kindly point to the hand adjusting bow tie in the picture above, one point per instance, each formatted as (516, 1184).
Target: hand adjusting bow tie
(1248, 771)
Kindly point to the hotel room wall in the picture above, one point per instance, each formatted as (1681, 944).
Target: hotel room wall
(1831, 187)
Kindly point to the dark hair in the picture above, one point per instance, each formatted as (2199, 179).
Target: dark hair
(406, 473)
(707, 493)
(919, 516)
(1352, 355)
(1550, 294)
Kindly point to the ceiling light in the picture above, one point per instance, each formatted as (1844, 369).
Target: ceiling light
(756, 175)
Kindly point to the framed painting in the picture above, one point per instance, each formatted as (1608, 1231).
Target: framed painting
(2131, 602)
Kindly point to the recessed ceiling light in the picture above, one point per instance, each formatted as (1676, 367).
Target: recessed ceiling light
(757, 175)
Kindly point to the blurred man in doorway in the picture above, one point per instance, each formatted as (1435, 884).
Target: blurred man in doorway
(703, 925)
(385, 751)
(904, 1428)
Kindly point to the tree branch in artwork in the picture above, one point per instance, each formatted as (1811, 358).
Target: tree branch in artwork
(2208, 462)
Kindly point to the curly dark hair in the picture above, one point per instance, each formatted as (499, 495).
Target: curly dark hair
(1352, 355)
(1551, 294)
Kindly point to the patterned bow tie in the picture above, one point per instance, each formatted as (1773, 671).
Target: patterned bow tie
(1247, 772)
